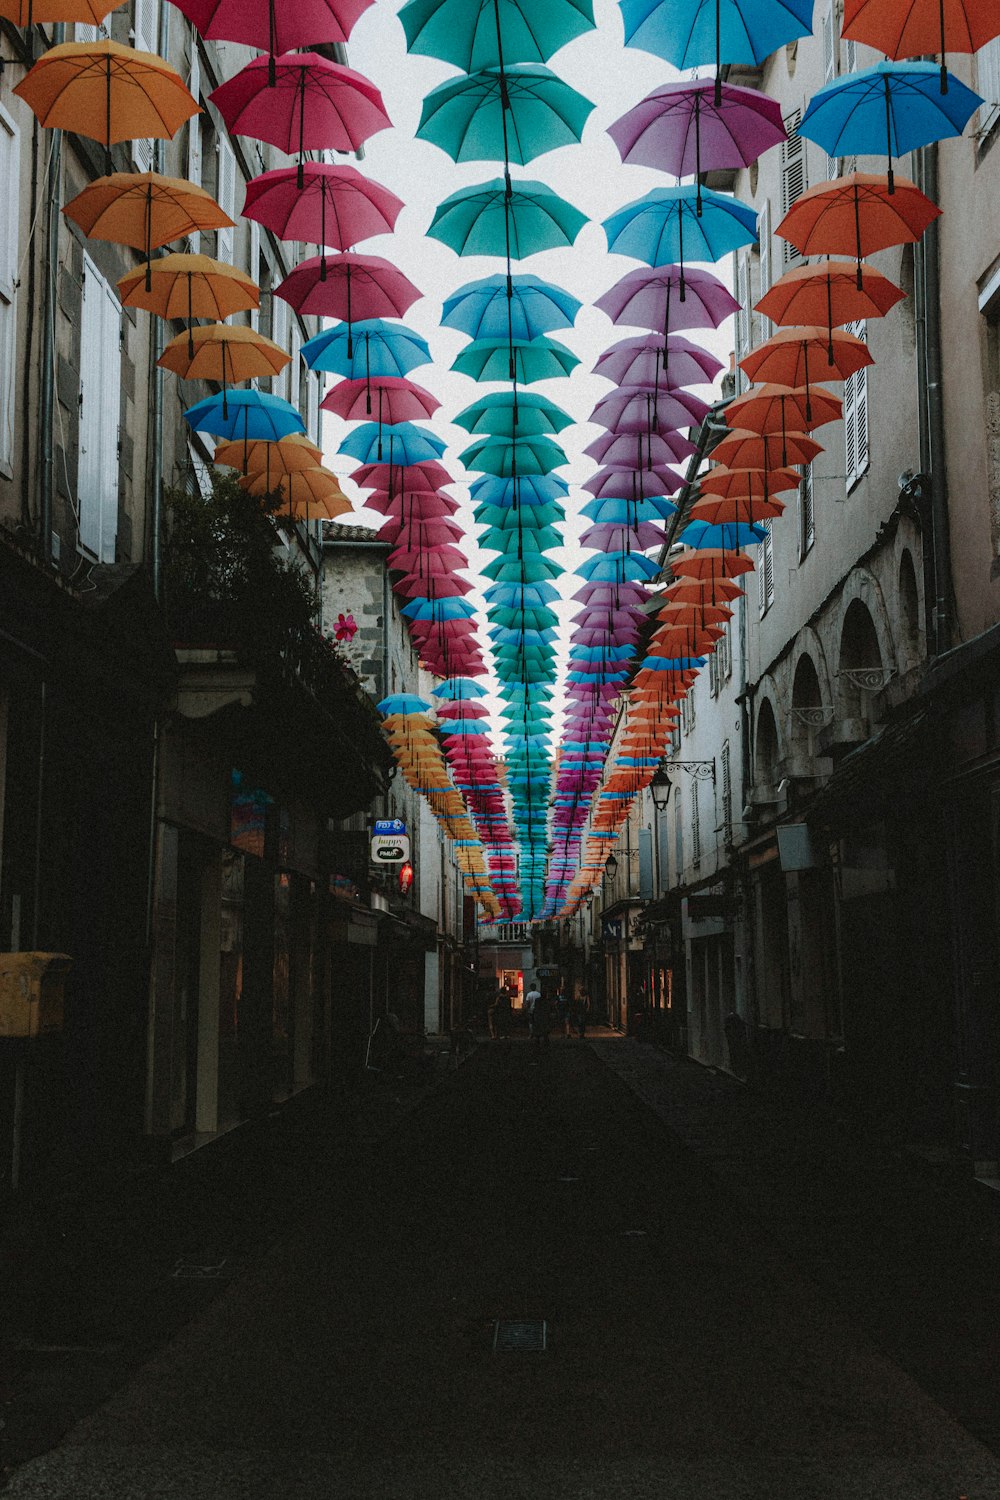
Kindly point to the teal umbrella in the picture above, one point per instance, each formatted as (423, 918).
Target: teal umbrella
(476, 34)
(528, 542)
(508, 519)
(507, 412)
(504, 114)
(522, 569)
(506, 456)
(495, 218)
(534, 359)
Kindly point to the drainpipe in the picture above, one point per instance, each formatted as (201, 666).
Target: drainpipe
(46, 399)
(157, 329)
(931, 406)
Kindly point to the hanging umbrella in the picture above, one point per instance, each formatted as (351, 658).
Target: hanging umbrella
(616, 567)
(45, 12)
(422, 534)
(376, 348)
(637, 361)
(189, 286)
(607, 534)
(403, 703)
(295, 452)
(399, 480)
(446, 585)
(457, 688)
(536, 359)
(505, 114)
(634, 484)
(740, 508)
(835, 292)
(507, 456)
(750, 483)
(899, 104)
(252, 415)
(144, 210)
(653, 299)
(411, 505)
(690, 33)
(469, 33)
(407, 444)
(490, 219)
(393, 397)
(654, 449)
(699, 589)
(483, 309)
(645, 409)
(749, 450)
(348, 287)
(678, 224)
(798, 356)
(522, 569)
(509, 519)
(911, 28)
(679, 128)
(526, 542)
(628, 512)
(315, 488)
(445, 557)
(782, 408)
(313, 105)
(107, 92)
(727, 537)
(335, 206)
(857, 215)
(526, 489)
(504, 414)
(272, 27)
(225, 353)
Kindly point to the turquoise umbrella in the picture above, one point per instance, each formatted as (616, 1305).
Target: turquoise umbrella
(489, 308)
(529, 541)
(495, 218)
(681, 223)
(506, 456)
(534, 359)
(529, 489)
(506, 413)
(476, 34)
(522, 569)
(509, 519)
(503, 114)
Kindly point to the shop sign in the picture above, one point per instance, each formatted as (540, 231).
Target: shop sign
(390, 848)
(393, 826)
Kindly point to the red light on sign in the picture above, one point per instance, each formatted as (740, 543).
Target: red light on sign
(405, 878)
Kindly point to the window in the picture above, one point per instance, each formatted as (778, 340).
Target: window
(725, 652)
(794, 179)
(727, 794)
(764, 230)
(295, 368)
(9, 183)
(194, 134)
(255, 268)
(807, 514)
(100, 410)
(226, 196)
(312, 411)
(714, 680)
(856, 417)
(695, 823)
(765, 570)
(988, 84)
(742, 319)
(145, 27)
(280, 312)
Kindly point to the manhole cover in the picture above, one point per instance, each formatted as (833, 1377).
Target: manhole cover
(519, 1338)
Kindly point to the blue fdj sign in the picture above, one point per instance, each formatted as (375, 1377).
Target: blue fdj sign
(389, 825)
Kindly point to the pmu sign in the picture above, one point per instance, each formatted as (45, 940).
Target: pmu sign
(390, 848)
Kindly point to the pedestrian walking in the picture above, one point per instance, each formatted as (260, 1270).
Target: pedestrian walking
(493, 1013)
(504, 1015)
(540, 1017)
(562, 1011)
(581, 1010)
(529, 1004)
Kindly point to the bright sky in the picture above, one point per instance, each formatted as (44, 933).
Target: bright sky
(590, 175)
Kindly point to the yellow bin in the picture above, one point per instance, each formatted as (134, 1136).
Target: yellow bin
(31, 993)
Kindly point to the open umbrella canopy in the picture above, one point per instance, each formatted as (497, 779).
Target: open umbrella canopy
(856, 215)
(454, 689)
(750, 483)
(652, 299)
(314, 104)
(44, 12)
(535, 359)
(729, 537)
(644, 409)
(336, 205)
(834, 293)
(689, 33)
(911, 28)
(107, 91)
(614, 567)
(633, 484)
(679, 128)
(314, 493)
(403, 444)
(741, 449)
(189, 286)
(508, 456)
(526, 489)
(295, 452)
(716, 511)
(144, 210)
(504, 413)
(679, 224)
(223, 352)
(402, 479)
(798, 356)
(368, 350)
(349, 287)
(514, 113)
(654, 449)
(893, 106)
(627, 512)
(250, 415)
(487, 219)
(526, 518)
(782, 408)
(640, 361)
(641, 535)
(392, 397)
(403, 703)
(483, 309)
(525, 541)
(465, 32)
(270, 26)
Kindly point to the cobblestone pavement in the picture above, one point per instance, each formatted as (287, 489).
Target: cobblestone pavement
(354, 1353)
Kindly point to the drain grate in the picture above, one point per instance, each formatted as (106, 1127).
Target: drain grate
(519, 1337)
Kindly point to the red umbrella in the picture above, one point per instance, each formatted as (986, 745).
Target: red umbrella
(348, 287)
(428, 475)
(399, 400)
(421, 533)
(420, 505)
(272, 28)
(336, 206)
(314, 104)
(403, 559)
(444, 585)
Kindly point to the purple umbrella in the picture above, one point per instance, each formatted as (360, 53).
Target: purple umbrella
(633, 484)
(688, 128)
(612, 593)
(640, 409)
(648, 451)
(638, 299)
(606, 535)
(636, 361)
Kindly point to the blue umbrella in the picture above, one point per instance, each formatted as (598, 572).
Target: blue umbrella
(508, 456)
(463, 727)
(669, 224)
(252, 416)
(627, 512)
(672, 663)
(901, 103)
(482, 309)
(368, 350)
(526, 489)
(602, 653)
(456, 688)
(403, 703)
(689, 33)
(615, 567)
(518, 594)
(408, 444)
(730, 536)
(438, 609)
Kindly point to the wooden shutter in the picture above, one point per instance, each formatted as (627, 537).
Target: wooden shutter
(794, 178)
(764, 223)
(807, 521)
(742, 318)
(988, 84)
(765, 570)
(100, 410)
(856, 418)
(9, 188)
(226, 196)
(254, 268)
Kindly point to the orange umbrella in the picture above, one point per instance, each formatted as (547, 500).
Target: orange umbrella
(711, 562)
(223, 353)
(698, 613)
(317, 489)
(44, 12)
(749, 450)
(144, 210)
(780, 408)
(107, 92)
(857, 215)
(833, 293)
(911, 28)
(743, 509)
(283, 457)
(752, 484)
(696, 590)
(189, 286)
(786, 358)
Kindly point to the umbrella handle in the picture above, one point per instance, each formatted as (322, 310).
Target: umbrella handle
(190, 318)
(718, 54)
(272, 37)
(368, 379)
(350, 332)
(697, 146)
(300, 176)
(888, 131)
(944, 69)
(680, 247)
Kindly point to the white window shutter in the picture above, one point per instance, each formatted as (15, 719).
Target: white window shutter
(988, 84)
(254, 267)
(312, 411)
(807, 513)
(856, 417)
(794, 178)
(742, 319)
(765, 570)
(100, 408)
(829, 46)
(764, 226)
(9, 187)
(226, 197)
(145, 25)
(279, 333)
(295, 368)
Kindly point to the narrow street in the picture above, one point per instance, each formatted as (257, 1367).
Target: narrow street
(686, 1353)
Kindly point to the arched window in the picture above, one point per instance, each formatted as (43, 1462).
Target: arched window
(909, 607)
(859, 673)
(766, 749)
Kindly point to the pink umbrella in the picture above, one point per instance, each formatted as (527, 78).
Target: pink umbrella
(645, 298)
(650, 451)
(395, 477)
(422, 534)
(633, 484)
(446, 585)
(336, 206)
(636, 409)
(637, 361)
(417, 505)
(399, 400)
(689, 127)
(462, 710)
(272, 28)
(348, 287)
(403, 559)
(610, 538)
(314, 104)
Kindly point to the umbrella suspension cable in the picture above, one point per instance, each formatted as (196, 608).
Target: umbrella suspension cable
(829, 319)
(368, 378)
(718, 53)
(944, 69)
(805, 361)
(666, 327)
(379, 455)
(322, 228)
(350, 330)
(107, 110)
(680, 249)
(300, 176)
(857, 231)
(272, 44)
(697, 148)
(888, 129)
(149, 236)
(190, 317)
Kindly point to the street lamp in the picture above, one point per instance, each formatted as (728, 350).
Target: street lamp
(659, 789)
(611, 867)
